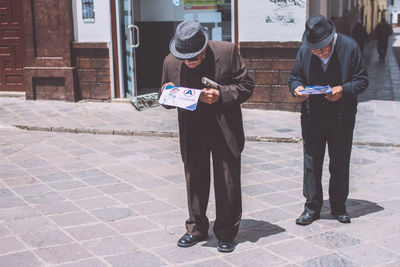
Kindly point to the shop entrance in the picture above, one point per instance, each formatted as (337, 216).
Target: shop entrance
(146, 28)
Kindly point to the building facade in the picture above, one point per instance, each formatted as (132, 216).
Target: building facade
(270, 61)
(394, 11)
(109, 49)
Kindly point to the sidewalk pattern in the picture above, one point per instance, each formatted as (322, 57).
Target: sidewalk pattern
(98, 200)
(91, 199)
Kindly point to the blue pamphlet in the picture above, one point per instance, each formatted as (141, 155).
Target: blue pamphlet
(316, 90)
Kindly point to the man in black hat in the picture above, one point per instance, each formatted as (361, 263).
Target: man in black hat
(334, 59)
(215, 127)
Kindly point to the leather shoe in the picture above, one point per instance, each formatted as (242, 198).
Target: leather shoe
(224, 246)
(342, 217)
(188, 240)
(307, 218)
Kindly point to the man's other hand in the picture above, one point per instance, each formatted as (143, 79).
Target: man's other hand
(209, 95)
(336, 94)
(165, 85)
(299, 96)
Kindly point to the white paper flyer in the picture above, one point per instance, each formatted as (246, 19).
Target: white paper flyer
(181, 97)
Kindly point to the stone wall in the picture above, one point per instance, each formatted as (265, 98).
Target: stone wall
(93, 68)
(49, 73)
(270, 64)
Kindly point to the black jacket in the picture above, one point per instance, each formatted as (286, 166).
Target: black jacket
(382, 31)
(236, 87)
(359, 34)
(353, 76)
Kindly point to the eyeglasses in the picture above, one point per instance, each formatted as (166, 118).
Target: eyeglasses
(199, 57)
(322, 50)
(193, 58)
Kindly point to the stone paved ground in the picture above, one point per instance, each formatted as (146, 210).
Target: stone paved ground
(99, 200)
(70, 199)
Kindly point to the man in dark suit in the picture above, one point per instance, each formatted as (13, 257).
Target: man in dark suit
(215, 127)
(382, 31)
(360, 35)
(334, 59)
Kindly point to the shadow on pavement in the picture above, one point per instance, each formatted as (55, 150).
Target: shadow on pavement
(253, 230)
(249, 231)
(355, 208)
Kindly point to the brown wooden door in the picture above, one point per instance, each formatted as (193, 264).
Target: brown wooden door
(12, 49)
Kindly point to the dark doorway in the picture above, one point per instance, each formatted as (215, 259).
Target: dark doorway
(12, 48)
(154, 38)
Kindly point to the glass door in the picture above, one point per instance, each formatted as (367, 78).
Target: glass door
(156, 21)
(147, 27)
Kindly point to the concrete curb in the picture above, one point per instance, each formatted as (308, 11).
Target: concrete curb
(145, 133)
(266, 139)
(97, 131)
(13, 94)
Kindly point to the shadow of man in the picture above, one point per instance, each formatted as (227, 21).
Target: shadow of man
(253, 230)
(249, 230)
(355, 208)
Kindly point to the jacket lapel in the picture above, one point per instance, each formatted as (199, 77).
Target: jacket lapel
(217, 67)
(177, 73)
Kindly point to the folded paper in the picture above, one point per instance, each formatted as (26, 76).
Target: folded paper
(316, 90)
(181, 97)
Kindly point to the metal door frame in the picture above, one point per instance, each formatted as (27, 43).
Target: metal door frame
(123, 91)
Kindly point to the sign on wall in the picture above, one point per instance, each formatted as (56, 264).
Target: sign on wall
(271, 20)
(202, 4)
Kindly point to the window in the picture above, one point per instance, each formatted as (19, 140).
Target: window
(87, 10)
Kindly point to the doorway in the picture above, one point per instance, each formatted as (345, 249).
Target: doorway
(12, 46)
(146, 28)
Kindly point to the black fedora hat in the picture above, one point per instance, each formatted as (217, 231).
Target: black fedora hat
(319, 32)
(189, 41)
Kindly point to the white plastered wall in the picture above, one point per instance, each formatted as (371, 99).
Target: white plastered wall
(97, 31)
(271, 21)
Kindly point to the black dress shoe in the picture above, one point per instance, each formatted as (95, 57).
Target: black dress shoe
(188, 240)
(307, 218)
(224, 246)
(342, 217)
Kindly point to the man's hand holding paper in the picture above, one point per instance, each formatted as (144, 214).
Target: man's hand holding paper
(299, 96)
(336, 94)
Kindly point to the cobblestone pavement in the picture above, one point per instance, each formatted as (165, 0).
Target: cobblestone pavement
(69, 199)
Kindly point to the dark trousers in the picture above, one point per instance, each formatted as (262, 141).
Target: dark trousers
(338, 135)
(226, 186)
(382, 48)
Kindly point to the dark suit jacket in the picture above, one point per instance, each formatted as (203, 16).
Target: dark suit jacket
(383, 30)
(236, 87)
(354, 77)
